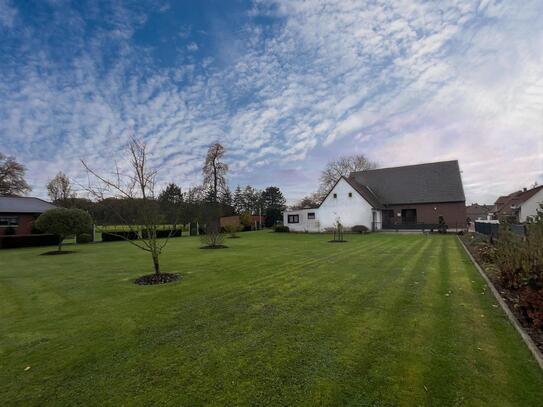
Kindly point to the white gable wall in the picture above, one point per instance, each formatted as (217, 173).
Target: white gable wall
(351, 211)
(530, 207)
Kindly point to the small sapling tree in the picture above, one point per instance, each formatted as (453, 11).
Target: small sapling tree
(137, 186)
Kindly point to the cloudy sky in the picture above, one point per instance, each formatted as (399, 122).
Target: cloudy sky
(284, 85)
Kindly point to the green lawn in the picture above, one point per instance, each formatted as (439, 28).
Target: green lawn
(276, 319)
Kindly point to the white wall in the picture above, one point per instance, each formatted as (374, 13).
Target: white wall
(305, 224)
(530, 207)
(351, 211)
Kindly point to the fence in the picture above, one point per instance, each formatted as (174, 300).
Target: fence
(492, 228)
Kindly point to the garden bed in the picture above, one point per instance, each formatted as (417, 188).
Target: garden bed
(511, 297)
(152, 279)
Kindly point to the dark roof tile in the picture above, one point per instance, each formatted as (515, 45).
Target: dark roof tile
(421, 183)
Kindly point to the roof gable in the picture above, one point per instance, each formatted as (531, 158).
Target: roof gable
(364, 192)
(422, 183)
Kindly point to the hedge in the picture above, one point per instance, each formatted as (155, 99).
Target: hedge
(12, 242)
(124, 235)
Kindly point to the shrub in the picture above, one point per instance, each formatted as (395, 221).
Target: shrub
(64, 222)
(212, 238)
(84, 238)
(486, 252)
(246, 220)
(359, 229)
(281, 229)
(232, 229)
(531, 301)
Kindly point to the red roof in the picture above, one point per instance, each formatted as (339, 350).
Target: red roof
(507, 204)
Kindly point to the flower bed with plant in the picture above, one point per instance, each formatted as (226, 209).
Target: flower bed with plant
(515, 266)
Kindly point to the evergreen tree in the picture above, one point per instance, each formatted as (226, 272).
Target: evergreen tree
(237, 201)
(226, 198)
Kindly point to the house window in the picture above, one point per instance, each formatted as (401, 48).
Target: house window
(350, 194)
(9, 221)
(311, 215)
(293, 218)
(335, 195)
(409, 216)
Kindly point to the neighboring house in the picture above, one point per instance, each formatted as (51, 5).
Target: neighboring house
(19, 213)
(235, 220)
(479, 212)
(519, 205)
(408, 197)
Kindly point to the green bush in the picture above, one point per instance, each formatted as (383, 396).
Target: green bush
(232, 229)
(359, 229)
(281, 229)
(64, 222)
(84, 238)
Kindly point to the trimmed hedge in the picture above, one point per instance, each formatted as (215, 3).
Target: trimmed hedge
(84, 238)
(359, 229)
(12, 242)
(120, 235)
(281, 229)
(127, 235)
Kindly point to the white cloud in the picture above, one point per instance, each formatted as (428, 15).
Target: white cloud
(192, 47)
(404, 81)
(8, 14)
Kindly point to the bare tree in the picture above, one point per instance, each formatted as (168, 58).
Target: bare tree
(12, 180)
(310, 201)
(59, 189)
(214, 170)
(342, 167)
(137, 186)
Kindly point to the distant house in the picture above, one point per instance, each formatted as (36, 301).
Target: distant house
(19, 213)
(519, 205)
(408, 197)
(476, 211)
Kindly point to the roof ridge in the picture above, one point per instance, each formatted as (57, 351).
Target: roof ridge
(405, 166)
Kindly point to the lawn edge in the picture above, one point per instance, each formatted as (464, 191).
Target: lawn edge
(524, 335)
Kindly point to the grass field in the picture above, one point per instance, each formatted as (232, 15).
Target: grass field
(276, 319)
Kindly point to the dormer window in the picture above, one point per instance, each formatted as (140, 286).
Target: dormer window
(335, 195)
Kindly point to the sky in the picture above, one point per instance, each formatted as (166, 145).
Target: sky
(284, 85)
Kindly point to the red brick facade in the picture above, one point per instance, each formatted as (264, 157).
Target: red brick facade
(454, 213)
(24, 220)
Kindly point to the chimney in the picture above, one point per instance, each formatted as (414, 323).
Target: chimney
(524, 189)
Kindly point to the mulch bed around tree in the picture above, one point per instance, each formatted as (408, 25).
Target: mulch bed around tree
(511, 297)
(337, 241)
(55, 252)
(218, 246)
(152, 279)
(233, 237)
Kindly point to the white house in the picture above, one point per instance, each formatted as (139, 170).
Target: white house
(344, 203)
(408, 197)
(532, 203)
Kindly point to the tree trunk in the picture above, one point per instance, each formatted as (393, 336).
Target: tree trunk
(155, 263)
(60, 243)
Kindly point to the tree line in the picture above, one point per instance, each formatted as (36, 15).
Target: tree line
(213, 198)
